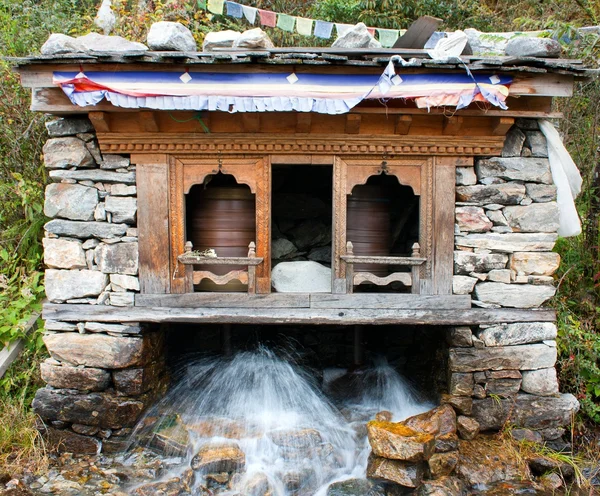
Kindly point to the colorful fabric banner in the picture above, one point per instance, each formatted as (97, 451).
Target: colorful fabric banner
(304, 26)
(267, 18)
(249, 13)
(234, 10)
(215, 6)
(387, 37)
(323, 29)
(286, 22)
(342, 29)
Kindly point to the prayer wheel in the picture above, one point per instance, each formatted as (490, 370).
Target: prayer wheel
(368, 225)
(224, 219)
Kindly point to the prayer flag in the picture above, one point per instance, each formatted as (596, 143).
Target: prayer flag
(267, 18)
(286, 22)
(249, 13)
(234, 9)
(387, 37)
(304, 26)
(323, 29)
(215, 6)
(342, 29)
(202, 4)
(371, 31)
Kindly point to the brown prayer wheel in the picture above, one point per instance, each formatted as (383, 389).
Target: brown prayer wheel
(368, 225)
(223, 218)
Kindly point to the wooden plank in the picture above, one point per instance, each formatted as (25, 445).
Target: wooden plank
(403, 123)
(263, 225)
(224, 300)
(353, 123)
(152, 182)
(443, 228)
(191, 259)
(501, 125)
(178, 273)
(401, 301)
(303, 122)
(251, 122)
(543, 85)
(452, 125)
(418, 33)
(474, 316)
(101, 121)
(383, 260)
(11, 351)
(235, 275)
(455, 161)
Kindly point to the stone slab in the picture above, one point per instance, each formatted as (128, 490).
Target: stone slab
(534, 170)
(95, 175)
(514, 295)
(63, 254)
(518, 333)
(84, 230)
(70, 201)
(520, 357)
(67, 377)
(63, 285)
(509, 242)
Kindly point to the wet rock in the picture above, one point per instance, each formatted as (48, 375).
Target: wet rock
(466, 262)
(171, 441)
(509, 242)
(533, 170)
(254, 39)
(542, 382)
(219, 457)
(442, 464)
(62, 285)
(222, 427)
(526, 410)
(399, 472)
(468, 428)
(541, 193)
(86, 430)
(463, 285)
(357, 36)
(461, 384)
(165, 35)
(521, 357)
(74, 229)
(503, 387)
(172, 487)
(121, 258)
(525, 46)
(518, 333)
(300, 439)
(61, 153)
(101, 350)
(537, 217)
(485, 461)
(513, 144)
(526, 435)
(506, 193)
(98, 409)
(440, 420)
(540, 465)
(219, 39)
(134, 382)
(112, 445)
(66, 441)
(101, 43)
(445, 486)
(70, 201)
(257, 485)
(354, 487)
(462, 404)
(513, 295)
(301, 277)
(123, 209)
(465, 176)
(68, 126)
(66, 377)
(472, 219)
(63, 254)
(446, 442)
(398, 442)
(384, 416)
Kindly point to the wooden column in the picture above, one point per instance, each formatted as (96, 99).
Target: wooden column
(179, 281)
(338, 241)
(263, 225)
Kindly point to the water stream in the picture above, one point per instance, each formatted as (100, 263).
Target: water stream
(297, 436)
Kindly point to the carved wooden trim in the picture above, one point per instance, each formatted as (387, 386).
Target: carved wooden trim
(407, 171)
(233, 275)
(403, 277)
(263, 225)
(195, 171)
(179, 282)
(338, 274)
(240, 143)
(426, 217)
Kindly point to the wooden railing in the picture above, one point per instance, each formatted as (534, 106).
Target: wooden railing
(408, 279)
(190, 258)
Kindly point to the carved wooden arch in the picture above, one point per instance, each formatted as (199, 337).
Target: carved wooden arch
(408, 172)
(243, 170)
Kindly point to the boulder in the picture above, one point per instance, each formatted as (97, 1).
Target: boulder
(542, 382)
(508, 243)
(165, 35)
(472, 219)
(94, 42)
(134, 382)
(541, 193)
(526, 410)
(118, 258)
(67, 441)
(403, 473)
(518, 333)
(100, 350)
(463, 285)
(466, 262)
(440, 420)
(357, 36)
(354, 487)
(63, 285)
(524, 46)
(461, 337)
(442, 464)
(254, 39)
(533, 170)
(68, 126)
(513, 295)
(104, 410)
(121, 283)
(94, 175)
(513, 144)
(74, 229)
(520, 357)
(310, 234)
(63, 254)
(301, 277)
(283, 248)
(299, 439)
(399, 442)
(219, 457)
(465, 176)
(537, 217)
(444, 486)
(58, 44)
(70, 201)
(123, 209)
(461, 384)
(62, 153)
(219, 39)
(67, 377)
(504, 193)
(446, 442)
(467, 427)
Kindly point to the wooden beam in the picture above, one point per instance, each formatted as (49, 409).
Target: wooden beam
(403, 123)
(501, 125)
(224, 300)
(251, 122)
(101, 121)
(303, 122)
(474, 316)
(386, 301)
(455, 161)
(452, 125)
(353, 123)
(148, 121)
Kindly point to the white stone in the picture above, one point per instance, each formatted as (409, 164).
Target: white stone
(542, 382)
(100, 43)
(524, 46)
(113, 162)
(539, 264)
(357, 36)
(60, 153)
(63, 254)
(100, 212)
(123, 190)
(462, 285)
(508, 243)
(472, 219)
(465, 176)
(70, 201)
(59, 43)
(121, 283)
(165, 35)
(465, 262)
(122, 299)
(95, 175)
(219, 39)
(513, 295)
(518, 333)
(301, 277)
(254, 39)
(537, 217)
(119, 258)
(499, 275)
(534, 170)
(123, 209)
(63, 285)
(541, 193)
(497, 217)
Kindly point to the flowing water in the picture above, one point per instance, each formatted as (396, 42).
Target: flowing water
(297, 436)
